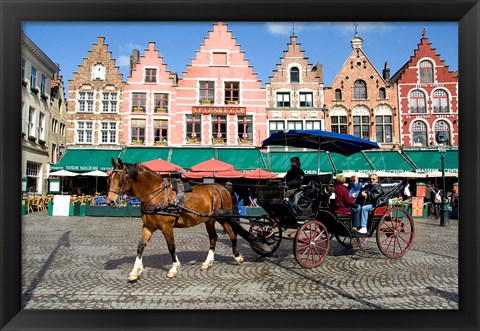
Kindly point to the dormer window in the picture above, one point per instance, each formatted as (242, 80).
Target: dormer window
(99, 72)
(294, 75)
(150, 75)
(426, 72)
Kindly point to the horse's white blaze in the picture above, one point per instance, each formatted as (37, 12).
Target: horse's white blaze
(137, 270)
(239, 259)
(173, 271)
(209, 261)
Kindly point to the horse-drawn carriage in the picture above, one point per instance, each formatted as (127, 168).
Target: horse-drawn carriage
(306, 217)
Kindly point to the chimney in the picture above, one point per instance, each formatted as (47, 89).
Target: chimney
(386, 72)
(134, 59)
(100, 40)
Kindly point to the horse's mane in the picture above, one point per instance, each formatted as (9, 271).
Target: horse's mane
(133, 170)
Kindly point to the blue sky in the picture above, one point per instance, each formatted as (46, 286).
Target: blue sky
(67, 43)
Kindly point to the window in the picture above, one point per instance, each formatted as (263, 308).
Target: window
(283, 99)
(41, 126)
(382, 94)
(294, 75)
(306, 99)
(313, 125)
(33, 78)
(23, 69)
(338, 94)
(138, 131)
(295, 125)
(160, 130)
(442, 126)
(207, 92)
(419, 133)
(440, 102)
(338, 124)
(417, 102)
(219, 58)
(109, 102)
(31, 122)
(275, 126)
(160, 102)
(383, 126)
(139, 102)
(232, 93)
(150, 75)
(98, 72)
(219, 128)
(84, 132)
(85, 102)
(33, 176)
(245, 129)
(360, 90)
(43, 84)
(194, 126)
(426, 72)
(361, 127)
(108, 132)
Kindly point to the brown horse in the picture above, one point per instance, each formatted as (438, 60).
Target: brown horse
(159, 211)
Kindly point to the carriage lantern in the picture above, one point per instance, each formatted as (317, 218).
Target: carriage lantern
(442, 139)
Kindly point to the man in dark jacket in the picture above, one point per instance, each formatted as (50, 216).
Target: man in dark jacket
(370, 193)
(294, 177)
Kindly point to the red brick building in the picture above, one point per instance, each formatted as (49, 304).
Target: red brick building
(361, 101)
(295, 92)
(219, 99)
(149, 100)
(95, 100)
(428, 98)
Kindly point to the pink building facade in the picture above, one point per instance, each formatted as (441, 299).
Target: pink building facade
(219, 99)
(149, 100)
(427, 98)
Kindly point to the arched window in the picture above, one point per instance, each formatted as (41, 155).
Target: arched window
(294, 75)
(338, 94)
(417, 102)
(382, 94)
(442, 126)
(440, 102)
(426, 72)
(360, 90)
(419, 134)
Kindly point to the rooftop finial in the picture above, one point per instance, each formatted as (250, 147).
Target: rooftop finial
(355, 26)
(424, 33)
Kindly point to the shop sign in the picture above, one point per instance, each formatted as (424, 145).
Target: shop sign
(219, 110)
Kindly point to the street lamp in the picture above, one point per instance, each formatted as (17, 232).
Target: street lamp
(442, 139)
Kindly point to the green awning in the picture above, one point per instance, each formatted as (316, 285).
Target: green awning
(356, 163)
(143, 154)
(390, 161)
(243, 159)
(82, 160)
(187, 157)
(429, 160)
(280, 162)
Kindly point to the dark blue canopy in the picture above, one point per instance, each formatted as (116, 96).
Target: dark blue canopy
(344, 144)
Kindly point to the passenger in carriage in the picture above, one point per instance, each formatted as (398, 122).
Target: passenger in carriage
(343, 200)
(370, 194)
(354, 186)
(294, 177)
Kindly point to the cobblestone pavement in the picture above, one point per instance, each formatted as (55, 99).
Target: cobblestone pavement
(83, 262)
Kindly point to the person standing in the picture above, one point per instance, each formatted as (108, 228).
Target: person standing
(406, 192)
(436, 199)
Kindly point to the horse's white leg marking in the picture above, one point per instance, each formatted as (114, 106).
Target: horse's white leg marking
(136, 271)
(209, 261)
(173, 271)
(239, 258)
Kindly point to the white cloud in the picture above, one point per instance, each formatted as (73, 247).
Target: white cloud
(123, 61)
(129, 46)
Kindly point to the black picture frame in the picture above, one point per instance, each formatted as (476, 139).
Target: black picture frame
(466, 12)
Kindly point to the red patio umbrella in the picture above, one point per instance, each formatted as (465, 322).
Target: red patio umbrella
(197, 174)
(212, 165)
(229, 174)
(162, 166)
(260, 174)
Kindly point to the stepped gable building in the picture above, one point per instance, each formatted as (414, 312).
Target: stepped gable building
(428, 98)
(295, 92)
(148, 99)
(58, 112)
(361, 101)
(39, 145)
(219, 99)
(95, 100)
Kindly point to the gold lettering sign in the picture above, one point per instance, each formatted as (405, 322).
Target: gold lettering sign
(219, 110)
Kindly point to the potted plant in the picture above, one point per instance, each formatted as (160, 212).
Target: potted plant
(232, 102)
(160, 142)
(24, 83)
(193, 140)
(137, 142)
(245, 142)
(218, 141)
(34, 90)
(32, 138)
(138, 109)
(41, 142)
(44, 96)
(206, 102)
(160, 110)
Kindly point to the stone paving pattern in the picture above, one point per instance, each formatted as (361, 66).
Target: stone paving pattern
(83, 263)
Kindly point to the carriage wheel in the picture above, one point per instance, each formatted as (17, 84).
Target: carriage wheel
(350, 242)
(311, 244)
(395, 232)
(271, 238)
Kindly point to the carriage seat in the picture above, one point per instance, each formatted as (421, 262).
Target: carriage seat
(390, 189)
(343, 216)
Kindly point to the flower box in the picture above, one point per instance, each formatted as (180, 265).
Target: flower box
(24, 83)
(137, 142)
(245, 142)
(193, 140)
(218, 141)
(161, 110)
(232, 102)
(44, 96)
(34, 90)
(41, 142)
(160, 143)
(138, 109)
(32, 138)
(206, 102)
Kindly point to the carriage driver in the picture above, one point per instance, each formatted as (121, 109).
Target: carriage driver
(370, 194)
(294, 177)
